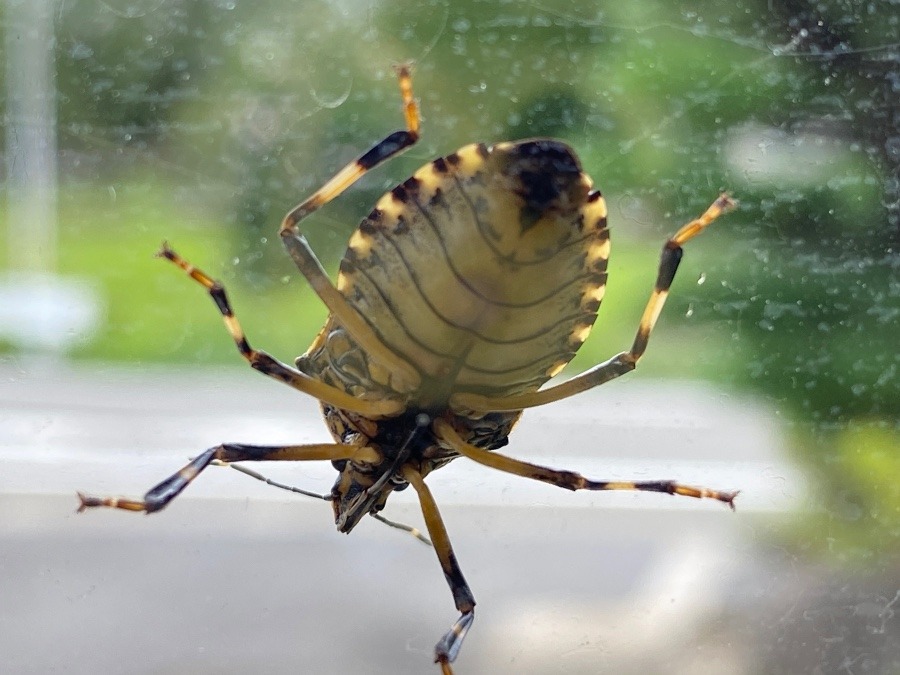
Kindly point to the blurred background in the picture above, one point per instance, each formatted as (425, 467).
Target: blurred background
(201, 122)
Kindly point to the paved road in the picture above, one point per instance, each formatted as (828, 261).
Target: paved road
(235, 577)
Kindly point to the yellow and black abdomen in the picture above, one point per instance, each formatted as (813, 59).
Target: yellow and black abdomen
(484, 270)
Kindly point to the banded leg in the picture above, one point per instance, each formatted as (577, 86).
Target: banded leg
(270, 366)
(160, 495)
(447, 648)
(621, 363)
(570, 480)
(403, 376)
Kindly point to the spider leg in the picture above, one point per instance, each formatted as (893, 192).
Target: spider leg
(404, 376)
(161, 494)
(621, 363)
(447, 648)
(570, 479)
(270, 366)
(414, 531)
(327, 497)
(268, 481)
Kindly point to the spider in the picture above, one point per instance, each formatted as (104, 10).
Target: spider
(460, 295)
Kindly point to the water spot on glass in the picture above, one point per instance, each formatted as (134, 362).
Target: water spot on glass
(461, 25)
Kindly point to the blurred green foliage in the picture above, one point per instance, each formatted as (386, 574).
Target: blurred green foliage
(202, 122)
(857, 478)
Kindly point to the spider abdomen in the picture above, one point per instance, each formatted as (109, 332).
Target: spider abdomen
(481, 276)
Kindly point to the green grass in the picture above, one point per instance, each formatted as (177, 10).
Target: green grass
(153, 312)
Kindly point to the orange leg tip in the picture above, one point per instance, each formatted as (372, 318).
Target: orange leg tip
(85, 502)
(165, 251)
(403, 69)
(726, 202)
(729, 497)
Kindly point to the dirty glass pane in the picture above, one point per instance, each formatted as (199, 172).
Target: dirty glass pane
(773, 369)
